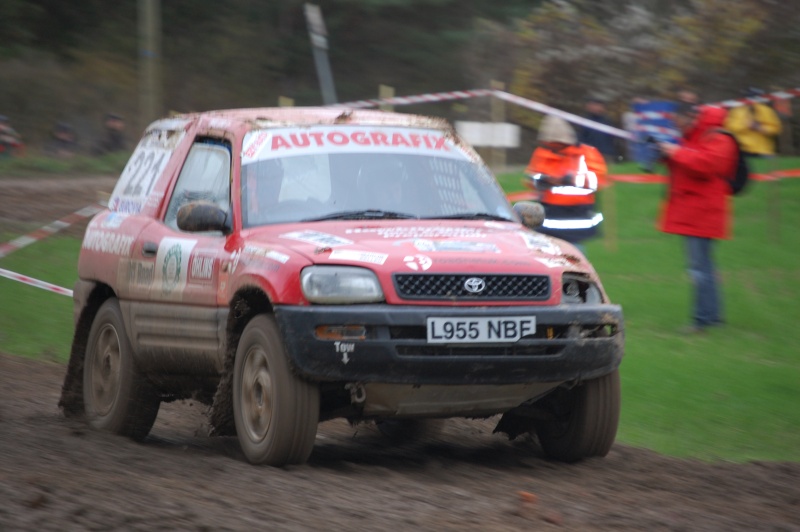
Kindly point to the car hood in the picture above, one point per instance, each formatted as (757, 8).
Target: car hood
(437, 246)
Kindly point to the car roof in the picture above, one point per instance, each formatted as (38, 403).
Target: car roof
(265, 117)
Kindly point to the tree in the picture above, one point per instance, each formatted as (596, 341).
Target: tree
(570, 50)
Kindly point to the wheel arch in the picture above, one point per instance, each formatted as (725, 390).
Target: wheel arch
(88, 296)
(247, 302)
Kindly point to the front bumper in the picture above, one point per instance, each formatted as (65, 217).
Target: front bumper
(571, 343)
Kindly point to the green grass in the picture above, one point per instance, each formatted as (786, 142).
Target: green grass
(734, 392)
(33, 322)
(731, 394)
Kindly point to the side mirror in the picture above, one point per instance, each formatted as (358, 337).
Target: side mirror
(530, 213)
(199, 216)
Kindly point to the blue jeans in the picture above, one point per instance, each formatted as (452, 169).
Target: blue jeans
(707, 303)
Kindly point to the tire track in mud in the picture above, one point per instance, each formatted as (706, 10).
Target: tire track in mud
(56, 474)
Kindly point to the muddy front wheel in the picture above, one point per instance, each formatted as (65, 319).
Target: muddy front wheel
(584, 421)
(276, 412)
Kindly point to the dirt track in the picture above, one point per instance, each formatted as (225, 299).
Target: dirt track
(55, 474)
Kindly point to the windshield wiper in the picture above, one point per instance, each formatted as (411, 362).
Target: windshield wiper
(471, 216)
(370, 214)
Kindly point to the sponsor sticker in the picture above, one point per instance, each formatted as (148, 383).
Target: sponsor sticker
(418, 262)
(277, 256)
(236, 256)
(271, 254)
(540, 243)
(422, 231)
(462, 246)
(113, 220)
(172, 267)
(107, 242)
(359, 256)
(254, 144)
(201, 267)
(317, 238)
(141, 273)
(341, 139)
(554, 262)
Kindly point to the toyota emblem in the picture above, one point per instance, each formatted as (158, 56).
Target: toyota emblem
(474, 285)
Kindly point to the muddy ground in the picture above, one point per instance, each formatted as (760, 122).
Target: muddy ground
(56, 474)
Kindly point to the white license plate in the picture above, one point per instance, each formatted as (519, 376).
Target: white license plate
(444, 330)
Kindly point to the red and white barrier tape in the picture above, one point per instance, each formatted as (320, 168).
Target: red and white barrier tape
(49, 229)
(569, 117)
(35, 282)
(546, 109)
(518, 100)
(420, 98)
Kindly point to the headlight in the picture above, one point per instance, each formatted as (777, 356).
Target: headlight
(578, 289)
(340, 285)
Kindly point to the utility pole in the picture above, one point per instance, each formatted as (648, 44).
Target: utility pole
(150, 107)
(498, 111)
(319, 46)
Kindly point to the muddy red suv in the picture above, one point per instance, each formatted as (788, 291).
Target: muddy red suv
(288, 266)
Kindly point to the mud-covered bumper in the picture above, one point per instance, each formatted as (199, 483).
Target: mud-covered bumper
(571, 342)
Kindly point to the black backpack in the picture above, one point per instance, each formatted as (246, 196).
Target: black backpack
(741, 176)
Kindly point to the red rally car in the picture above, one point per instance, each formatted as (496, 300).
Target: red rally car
(288, 266)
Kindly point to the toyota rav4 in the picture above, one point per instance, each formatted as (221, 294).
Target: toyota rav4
(288, 266)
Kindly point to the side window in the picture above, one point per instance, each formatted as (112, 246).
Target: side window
(206, 175)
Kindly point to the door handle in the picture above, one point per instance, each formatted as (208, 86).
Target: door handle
(149, 249)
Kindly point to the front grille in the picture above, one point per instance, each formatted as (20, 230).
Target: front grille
(453, 286)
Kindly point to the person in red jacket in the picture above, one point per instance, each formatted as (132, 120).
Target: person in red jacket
(697, 205)
(565, 176)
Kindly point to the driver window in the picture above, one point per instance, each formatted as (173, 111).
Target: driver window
(205, 176)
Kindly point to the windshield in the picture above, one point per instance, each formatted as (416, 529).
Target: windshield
(301, 176)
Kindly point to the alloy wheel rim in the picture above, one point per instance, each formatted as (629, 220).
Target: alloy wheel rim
(257, 402)
(105, 370)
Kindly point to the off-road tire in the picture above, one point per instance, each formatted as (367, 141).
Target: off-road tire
(276, 412)
(116, 397)
(585, 420)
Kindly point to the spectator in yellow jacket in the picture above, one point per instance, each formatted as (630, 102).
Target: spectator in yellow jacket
(755, 125)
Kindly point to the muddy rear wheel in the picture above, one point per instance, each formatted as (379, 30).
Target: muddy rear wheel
(585, 420)
(276, 412)
(117, 398)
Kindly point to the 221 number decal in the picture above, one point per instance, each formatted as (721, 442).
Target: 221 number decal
(142, 171)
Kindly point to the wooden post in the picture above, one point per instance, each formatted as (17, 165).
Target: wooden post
(283, 101)
(150, 90)
(783, 106)
(385, 91)
(773, 201)
(498, 112)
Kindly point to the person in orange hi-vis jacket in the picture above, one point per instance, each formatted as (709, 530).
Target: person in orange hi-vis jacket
(566, 175)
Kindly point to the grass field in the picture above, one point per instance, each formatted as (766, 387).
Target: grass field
(731, 394)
